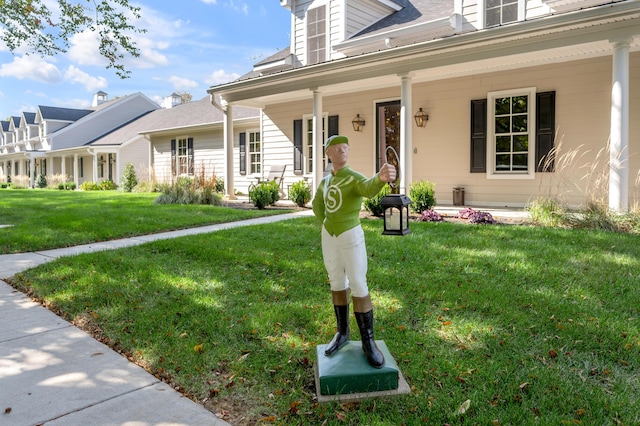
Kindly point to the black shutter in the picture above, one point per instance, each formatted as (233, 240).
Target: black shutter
(190, 154)
(479, 136)
(545, 131)
(173, 157)
(243, 153)
(332, 128)
(297, 147)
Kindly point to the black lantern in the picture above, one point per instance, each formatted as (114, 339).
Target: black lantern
(396, 214)
(421, 118)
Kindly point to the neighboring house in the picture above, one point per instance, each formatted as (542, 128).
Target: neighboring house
(72, 144)
(189, 140)
(519, 98)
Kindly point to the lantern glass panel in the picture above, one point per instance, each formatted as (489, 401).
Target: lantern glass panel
(392, 219)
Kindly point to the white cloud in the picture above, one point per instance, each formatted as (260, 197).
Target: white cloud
(77, 76)
(180, 83)
(209, 1)
(31, 67)
(220, 77)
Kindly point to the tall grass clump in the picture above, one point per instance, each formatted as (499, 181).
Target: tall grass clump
(547, 212)
(186, 190)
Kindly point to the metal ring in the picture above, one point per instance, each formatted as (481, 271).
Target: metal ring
(397, 181)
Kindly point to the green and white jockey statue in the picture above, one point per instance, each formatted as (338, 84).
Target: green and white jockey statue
(337, 205)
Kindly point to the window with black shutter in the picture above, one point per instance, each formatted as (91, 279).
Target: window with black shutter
(243, 153)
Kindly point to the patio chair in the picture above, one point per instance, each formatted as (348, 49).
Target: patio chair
(276, 173)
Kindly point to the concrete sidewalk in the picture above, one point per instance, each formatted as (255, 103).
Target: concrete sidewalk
(52, 373)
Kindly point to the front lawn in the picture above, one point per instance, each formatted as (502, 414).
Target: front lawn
(532, 326)
(45, 219)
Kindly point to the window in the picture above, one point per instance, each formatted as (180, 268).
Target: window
(316, 35)
(182, 156)
(512, 134)
(500, 12)
(255, 152)
(308, 145)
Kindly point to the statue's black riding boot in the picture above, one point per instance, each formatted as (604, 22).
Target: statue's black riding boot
(341, 308)
(363, 310)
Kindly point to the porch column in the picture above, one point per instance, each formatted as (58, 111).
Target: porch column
(229, 182)
(406, 126)
(95, 167)
(619, 136)
(318, 143)
(75, 170)
(32, 172)
(63, 168)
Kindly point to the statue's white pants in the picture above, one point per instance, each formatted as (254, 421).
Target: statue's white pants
(345, 258)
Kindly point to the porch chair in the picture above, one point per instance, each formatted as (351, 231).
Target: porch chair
(276, 173)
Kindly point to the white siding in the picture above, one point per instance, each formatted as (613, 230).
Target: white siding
(137, 153)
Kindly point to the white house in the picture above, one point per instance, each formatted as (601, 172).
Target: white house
(519, 98)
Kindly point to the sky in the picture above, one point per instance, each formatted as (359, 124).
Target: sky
(189, 46)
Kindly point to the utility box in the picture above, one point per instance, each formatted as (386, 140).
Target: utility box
(458, 196)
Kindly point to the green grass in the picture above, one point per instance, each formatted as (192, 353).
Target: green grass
(534, 326)
(45, 219)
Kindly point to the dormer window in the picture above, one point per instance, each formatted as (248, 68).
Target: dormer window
(501, 12)
(316, 35)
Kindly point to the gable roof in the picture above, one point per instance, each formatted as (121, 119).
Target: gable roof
(29, 117)
(62, 114)
(5, 125)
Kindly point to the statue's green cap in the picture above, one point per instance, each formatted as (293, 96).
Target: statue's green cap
(335, 140)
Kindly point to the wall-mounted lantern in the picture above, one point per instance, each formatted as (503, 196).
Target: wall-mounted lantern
(421, 118)
(396, 214)
(358, 123)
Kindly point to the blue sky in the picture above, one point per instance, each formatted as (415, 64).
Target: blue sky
(190, 45)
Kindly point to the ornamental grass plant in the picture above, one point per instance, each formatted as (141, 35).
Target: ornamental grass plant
(490, 325)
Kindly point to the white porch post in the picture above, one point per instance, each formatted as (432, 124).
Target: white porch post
(406, 126)
(63, 168)
(619, 136)
(318, 143)
(229, 182)
(32, 172)
(76, 171)
(95, 167)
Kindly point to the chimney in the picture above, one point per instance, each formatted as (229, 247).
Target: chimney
(99, 98)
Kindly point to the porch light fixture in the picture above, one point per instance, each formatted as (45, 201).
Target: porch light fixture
(421, 118)
(358, 123)
(396, 214)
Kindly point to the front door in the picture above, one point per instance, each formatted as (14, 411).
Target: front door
(388, 134)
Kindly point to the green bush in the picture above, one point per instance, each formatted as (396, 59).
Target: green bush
(300, 193)
(61, 186)
(129, 179)
(42, 181)
(422, 195)
(71, 186)
(372, 205)
(89, 186)
(108, 185)
(264, 194)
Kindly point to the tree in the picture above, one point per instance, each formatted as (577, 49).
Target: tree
(31, 24)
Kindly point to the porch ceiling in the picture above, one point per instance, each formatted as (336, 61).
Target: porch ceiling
(553, 39)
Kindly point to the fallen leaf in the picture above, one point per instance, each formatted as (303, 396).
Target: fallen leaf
(198, 348)
(464, 407)
(7, 410)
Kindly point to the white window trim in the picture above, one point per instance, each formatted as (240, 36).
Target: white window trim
(491, 146)
(249, 173)
(305, 146)
(186, 141)
(482, 10)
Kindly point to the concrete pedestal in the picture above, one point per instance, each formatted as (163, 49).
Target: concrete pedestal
(347, 376)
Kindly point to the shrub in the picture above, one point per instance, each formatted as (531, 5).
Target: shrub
(108, 185)
(71, 186)
(89, 186)
(372, 205)
(300, 193)
(129, 179)
(430, 215)
(264, 194)
(422, 195)
(61, 186)
(476, 216)
(42, 181)
(218, 184)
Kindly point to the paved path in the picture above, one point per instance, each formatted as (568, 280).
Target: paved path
(52, 373)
